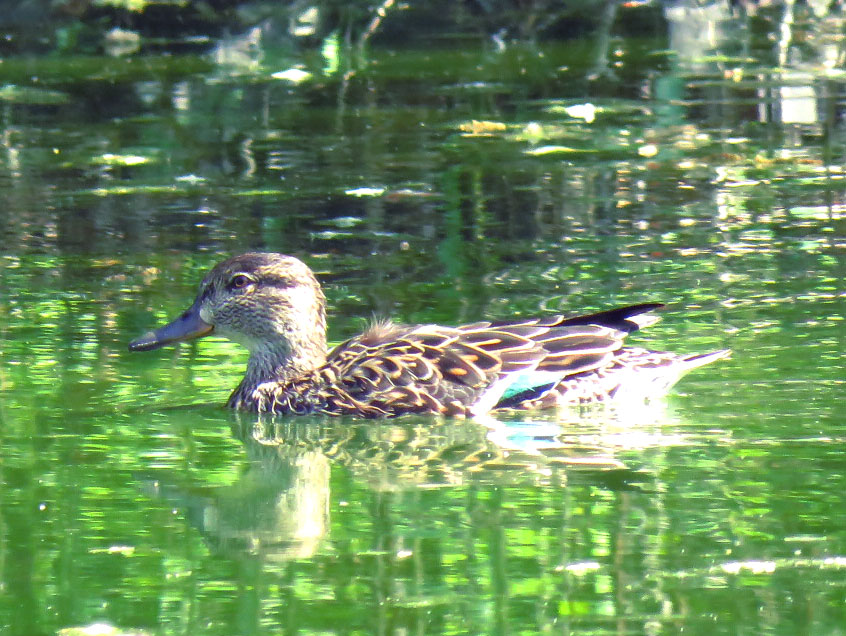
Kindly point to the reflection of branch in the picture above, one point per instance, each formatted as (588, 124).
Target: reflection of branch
(600, 64)
(381, 12)
(786, 29)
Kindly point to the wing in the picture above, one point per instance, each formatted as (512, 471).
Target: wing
(390, 370)
(469, 370)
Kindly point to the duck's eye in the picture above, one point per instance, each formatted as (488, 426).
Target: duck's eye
(238, 281)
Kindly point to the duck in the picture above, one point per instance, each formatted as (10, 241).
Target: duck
(273, 305)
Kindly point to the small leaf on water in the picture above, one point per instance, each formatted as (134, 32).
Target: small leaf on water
(648, 150)
(365, 192)
(553, 150)
(582, 111)
(109, 159)
(478, 128)
(293, 75)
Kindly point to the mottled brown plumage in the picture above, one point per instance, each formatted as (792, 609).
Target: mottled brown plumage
(273, 305)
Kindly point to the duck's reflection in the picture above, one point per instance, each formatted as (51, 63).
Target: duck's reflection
(280, 507)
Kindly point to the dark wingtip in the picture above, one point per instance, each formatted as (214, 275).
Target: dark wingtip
(626, 319)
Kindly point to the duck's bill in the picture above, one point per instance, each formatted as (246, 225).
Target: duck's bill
(187, 327)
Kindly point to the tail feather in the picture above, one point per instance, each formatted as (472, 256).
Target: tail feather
(701, 359)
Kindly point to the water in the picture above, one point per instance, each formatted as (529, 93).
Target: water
(130, 497)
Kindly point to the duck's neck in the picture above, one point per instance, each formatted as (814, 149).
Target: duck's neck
(280, 361)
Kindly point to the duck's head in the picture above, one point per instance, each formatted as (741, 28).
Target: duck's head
(270, 303)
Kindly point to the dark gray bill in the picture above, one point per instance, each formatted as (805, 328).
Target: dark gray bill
(187, 327)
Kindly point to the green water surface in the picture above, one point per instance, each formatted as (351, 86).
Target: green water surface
(438, 185)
